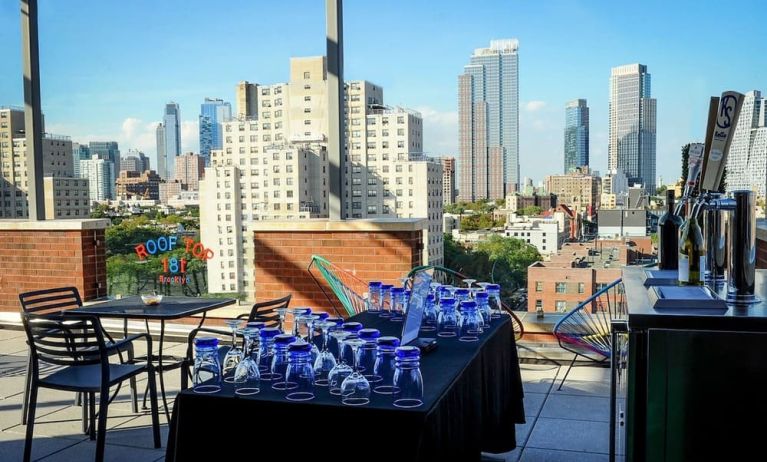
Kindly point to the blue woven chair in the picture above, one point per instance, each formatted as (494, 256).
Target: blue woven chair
(585, 331)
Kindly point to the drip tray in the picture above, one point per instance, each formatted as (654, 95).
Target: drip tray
(686, 299)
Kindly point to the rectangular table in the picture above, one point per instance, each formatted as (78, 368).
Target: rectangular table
(169, 309)
(472, 400)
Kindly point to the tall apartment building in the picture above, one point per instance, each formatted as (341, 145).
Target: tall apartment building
(168, 140)
(631, 141)
(488, 118)
(169, 190)
(108, 150)
(135, 185)
(747, 160)
(190, 168)
(63, 199)
(135, 161)
(579, 190)
(576, 135)
(274, 165)
(213, 113)
(100, 174)
(448, 180)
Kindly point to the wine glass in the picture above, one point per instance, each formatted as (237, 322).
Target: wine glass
(247, 376)
(282, 312)
(325, 361)
(355, 389)
(469, 282)
(234, 355)
(297, 312)
(341, 369)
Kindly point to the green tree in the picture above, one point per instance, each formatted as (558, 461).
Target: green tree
(480, 221)
(100, 211)
(532, 210)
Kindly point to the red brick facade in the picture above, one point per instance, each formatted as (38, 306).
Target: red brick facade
(282, 258)
(32, 260)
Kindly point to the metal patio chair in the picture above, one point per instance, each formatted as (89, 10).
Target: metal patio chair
(586, 330)
(77, 345)
(56, 300)
(347, 287)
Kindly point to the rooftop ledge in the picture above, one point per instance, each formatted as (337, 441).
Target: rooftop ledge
(319, 224)
(54, 225)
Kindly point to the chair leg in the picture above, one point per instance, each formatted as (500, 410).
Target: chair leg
(133, 389)
(155, 411)
(30, 422)
(101, 433)
(566, 373)
(84, 406)
(25, 404)
(184, 374)
(92, 415)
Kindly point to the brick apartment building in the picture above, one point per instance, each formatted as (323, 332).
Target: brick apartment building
(579, 270)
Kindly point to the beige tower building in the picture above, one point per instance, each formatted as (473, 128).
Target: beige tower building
(448, 180)
(274, 166)
(190, 168)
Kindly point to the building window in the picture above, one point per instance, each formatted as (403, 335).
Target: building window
(560, 287)
(538, 305)
(581, 287)
(307, 75)
(538, 286)
(560, 306)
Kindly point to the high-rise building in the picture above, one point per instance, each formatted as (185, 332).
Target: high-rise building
(101, 178)
(213, 112)
(274, 166)
(747, 160)
(448, 180)
(66, 198)
(108, 150)
(168, 140)
(631, 145)
(247, 99)
(576, 135)
(190, 168)
(134, 185)
(135, 161)
(162, 158)
(488, 118)
(79, 152)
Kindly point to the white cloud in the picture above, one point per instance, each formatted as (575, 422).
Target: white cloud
(535, 105)
(190, 136)
(440, 131)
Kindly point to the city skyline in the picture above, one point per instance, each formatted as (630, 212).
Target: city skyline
(415, 68)
(576, 139)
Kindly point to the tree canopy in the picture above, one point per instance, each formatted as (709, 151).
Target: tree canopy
(531, 211)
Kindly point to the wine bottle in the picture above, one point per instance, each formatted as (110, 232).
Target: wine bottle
(668, 235)
(692, 252)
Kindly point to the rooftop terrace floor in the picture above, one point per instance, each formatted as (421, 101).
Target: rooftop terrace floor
(567, 425)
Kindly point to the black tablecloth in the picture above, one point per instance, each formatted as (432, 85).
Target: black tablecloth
(472, 400)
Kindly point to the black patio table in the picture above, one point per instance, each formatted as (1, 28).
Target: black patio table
(472, 400)
(169, 309)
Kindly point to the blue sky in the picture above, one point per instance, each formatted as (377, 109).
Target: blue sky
(108, 67)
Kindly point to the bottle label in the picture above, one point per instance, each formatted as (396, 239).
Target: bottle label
(684, 268)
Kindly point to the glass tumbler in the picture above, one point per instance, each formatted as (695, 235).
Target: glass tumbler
(367, 352)
(447, 322)
(470, 324)
(206, 374)
(374, 296)
(408, 382)
(279, 366)
(383, 370)
(397, 304)
(300, 375)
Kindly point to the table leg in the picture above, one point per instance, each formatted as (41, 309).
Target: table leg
(160, 370)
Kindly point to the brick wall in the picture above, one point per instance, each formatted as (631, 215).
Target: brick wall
(550, 276)
(33, 259)
(282, 258)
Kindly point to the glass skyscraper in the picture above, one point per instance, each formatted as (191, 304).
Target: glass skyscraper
(213, 112)
(631, 146)
(107, 150)
(488, 111)
(576, 135)
(168, 140)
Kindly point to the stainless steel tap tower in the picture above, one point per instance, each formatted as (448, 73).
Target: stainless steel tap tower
(729, 223)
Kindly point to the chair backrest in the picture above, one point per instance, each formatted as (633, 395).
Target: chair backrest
(50, 300)
(267, 311)
(587, 328)
(65, 340)
(447, 276)
(346, 286)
